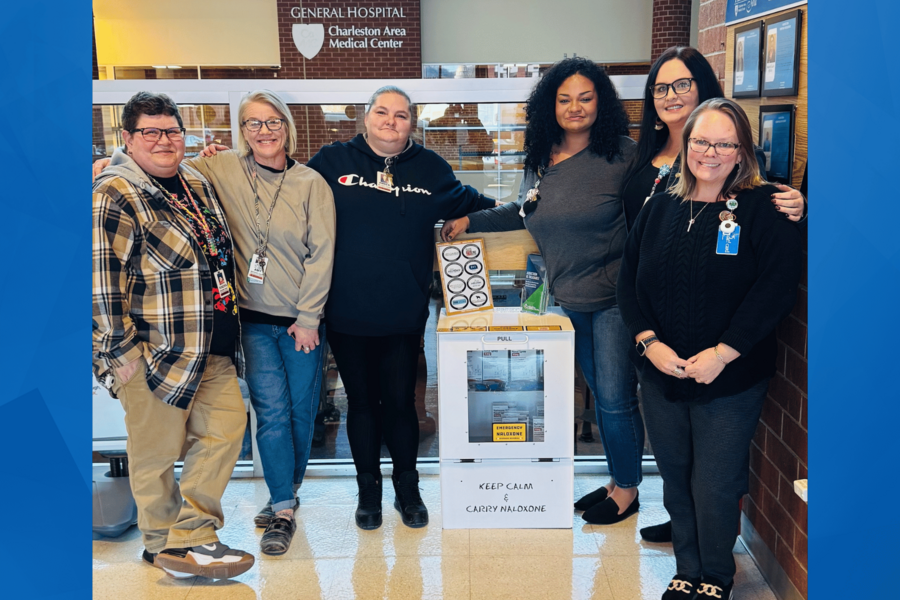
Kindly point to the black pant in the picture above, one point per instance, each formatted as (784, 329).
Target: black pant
(379, 375)
(703, 455)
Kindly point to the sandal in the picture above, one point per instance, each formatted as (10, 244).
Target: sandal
(277, 538)
(265, 516)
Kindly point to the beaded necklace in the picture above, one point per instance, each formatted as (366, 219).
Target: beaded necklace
(207, 231)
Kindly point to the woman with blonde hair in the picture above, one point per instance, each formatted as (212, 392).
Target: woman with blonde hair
(710, 268)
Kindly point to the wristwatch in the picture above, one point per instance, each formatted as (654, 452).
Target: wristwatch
(642, 345)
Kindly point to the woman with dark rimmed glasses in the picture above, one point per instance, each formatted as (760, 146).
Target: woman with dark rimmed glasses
(710, 268)
(679, 80)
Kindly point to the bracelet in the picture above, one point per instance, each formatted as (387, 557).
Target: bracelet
(719, 356)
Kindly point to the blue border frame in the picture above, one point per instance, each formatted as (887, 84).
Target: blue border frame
(854, 280)
(45, 409)
(854, 272)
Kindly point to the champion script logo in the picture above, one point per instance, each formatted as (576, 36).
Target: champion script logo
(354, 179)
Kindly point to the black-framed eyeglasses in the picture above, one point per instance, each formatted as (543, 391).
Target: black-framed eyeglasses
(153, 134)
(722, 148)
(679, 86)
(271, 124)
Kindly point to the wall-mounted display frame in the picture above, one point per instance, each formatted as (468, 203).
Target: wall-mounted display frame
(781, 59)
(747, 54)
(776, 138)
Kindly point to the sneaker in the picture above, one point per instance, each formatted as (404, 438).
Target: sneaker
(368, 510)
(408, 501)
(682, 588)
(713, 588)
(277, 538)
(215, 561)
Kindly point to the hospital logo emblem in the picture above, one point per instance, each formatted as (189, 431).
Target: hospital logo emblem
(308, 39)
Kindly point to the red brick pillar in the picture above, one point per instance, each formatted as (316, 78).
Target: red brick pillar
(711, 35)
(671, 25)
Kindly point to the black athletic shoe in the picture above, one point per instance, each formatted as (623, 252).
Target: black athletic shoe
(408, 501)
(368, 510)
(215, 561)
(658, 534)
(595, 497)
(682, 588)
(713, 588)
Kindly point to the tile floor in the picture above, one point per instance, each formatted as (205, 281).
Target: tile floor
(331, 558)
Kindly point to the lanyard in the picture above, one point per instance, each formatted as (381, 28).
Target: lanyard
(204, 225)
(262, 241)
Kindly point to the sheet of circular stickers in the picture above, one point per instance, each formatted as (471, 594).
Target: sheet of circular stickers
(464, 276)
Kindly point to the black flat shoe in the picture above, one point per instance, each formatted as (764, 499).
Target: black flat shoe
(682, 588)
(658, 534)
(607, 512)
(595, 497)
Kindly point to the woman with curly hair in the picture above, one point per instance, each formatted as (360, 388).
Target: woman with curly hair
(577, 153)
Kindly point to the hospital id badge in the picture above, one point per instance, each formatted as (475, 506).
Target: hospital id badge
(384, 181)
(222, 284)
(727, 243)
(257, 273)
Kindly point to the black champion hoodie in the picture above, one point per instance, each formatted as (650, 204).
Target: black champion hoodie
(384, 249)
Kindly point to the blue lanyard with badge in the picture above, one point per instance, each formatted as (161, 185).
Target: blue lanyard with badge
(729, 234)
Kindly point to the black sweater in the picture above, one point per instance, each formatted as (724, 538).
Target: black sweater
(384, 249)
(672, 281)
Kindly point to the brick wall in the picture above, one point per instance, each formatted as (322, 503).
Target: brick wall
(356, 63)
(711, 35)
(671, 25)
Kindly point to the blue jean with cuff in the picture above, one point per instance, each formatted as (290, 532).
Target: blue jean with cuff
(602, 343)
(284, 391)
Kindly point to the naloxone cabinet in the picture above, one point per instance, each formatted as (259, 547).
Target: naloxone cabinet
(505, 389)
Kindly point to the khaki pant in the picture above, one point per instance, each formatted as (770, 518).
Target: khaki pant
(211, 430)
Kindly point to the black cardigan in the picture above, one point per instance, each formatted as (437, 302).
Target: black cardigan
(673, 282)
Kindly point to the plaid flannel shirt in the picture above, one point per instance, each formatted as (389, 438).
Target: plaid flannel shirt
(152, 286)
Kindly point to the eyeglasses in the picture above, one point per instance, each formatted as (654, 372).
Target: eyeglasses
(722, 148)
(152, 134)
(256, 125)
(679, 86)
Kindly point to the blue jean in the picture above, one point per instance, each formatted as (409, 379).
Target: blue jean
(284, 391)
(703, 454)
(602, 343)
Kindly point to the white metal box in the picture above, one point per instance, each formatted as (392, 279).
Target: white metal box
(507, 494)
(506, 397)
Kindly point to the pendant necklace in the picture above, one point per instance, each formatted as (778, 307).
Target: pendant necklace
(693, 218)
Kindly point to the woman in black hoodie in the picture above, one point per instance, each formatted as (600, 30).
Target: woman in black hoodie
(388, 192)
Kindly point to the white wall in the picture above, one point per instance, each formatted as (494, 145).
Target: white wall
(535, 31)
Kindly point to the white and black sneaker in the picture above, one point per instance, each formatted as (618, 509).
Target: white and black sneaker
(713, 588)
(215, 561)
(682, 588)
